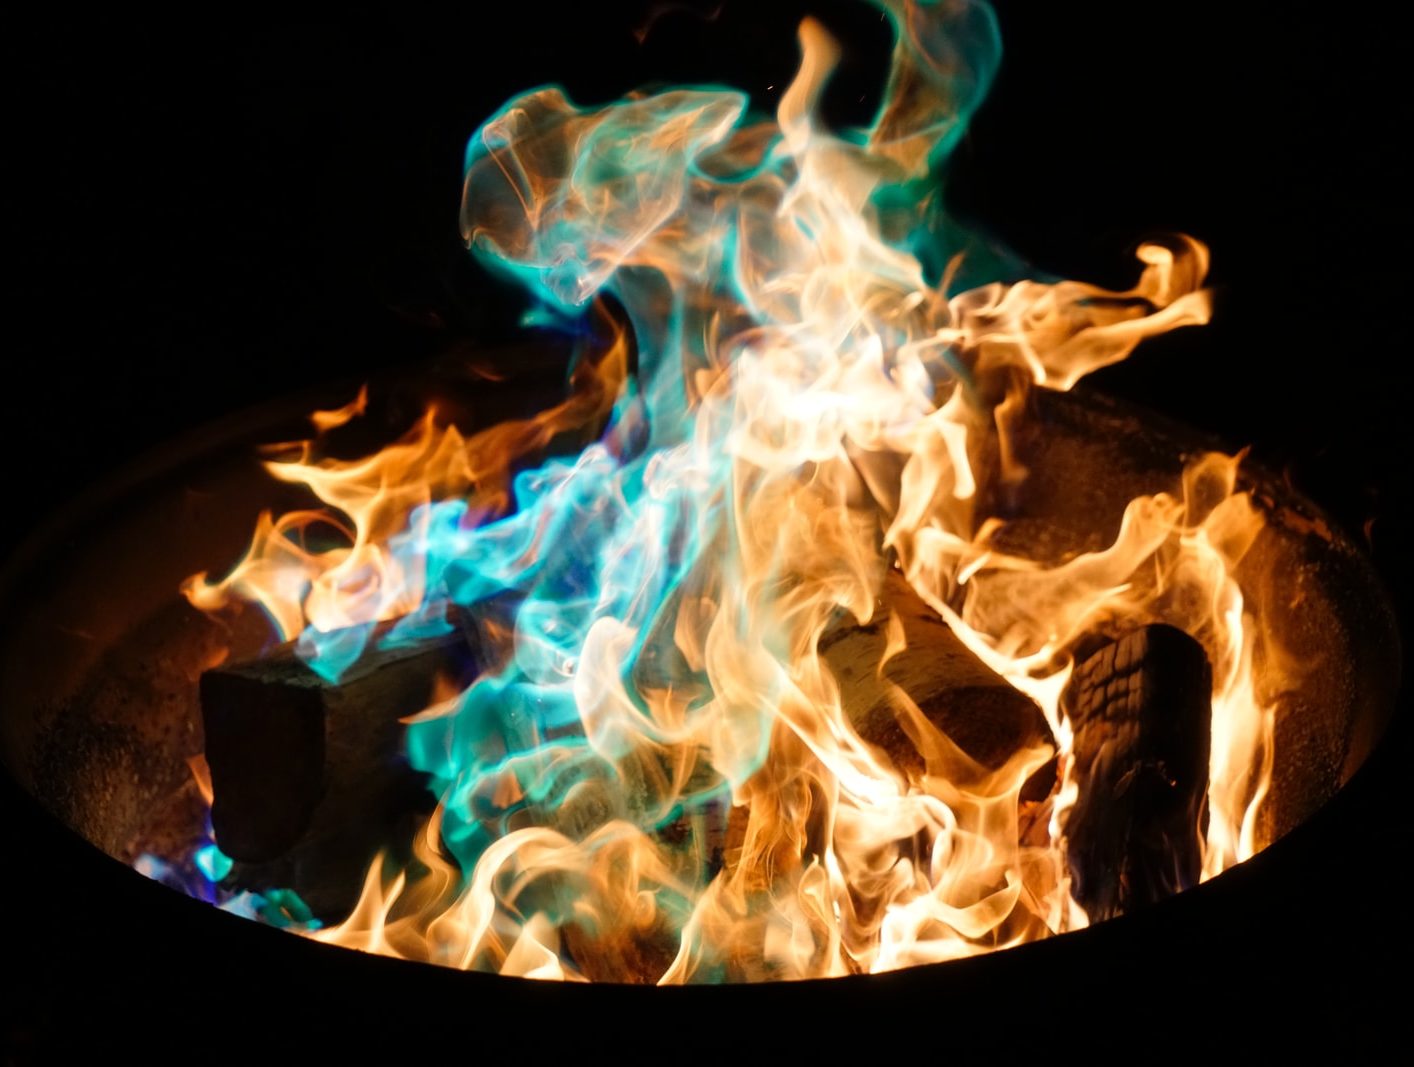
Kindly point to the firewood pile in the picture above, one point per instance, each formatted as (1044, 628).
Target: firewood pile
(311, 782)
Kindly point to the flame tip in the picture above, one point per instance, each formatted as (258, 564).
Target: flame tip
(680, 762)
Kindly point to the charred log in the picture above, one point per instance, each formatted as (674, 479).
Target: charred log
(295, 757)
(1142, 713)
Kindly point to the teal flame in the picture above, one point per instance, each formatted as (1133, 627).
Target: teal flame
(813, 343)
(567, 201)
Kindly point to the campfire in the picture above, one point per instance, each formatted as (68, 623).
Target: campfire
(813, 628)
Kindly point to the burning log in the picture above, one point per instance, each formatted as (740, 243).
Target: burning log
(974, 707)
(1142, 712)
(295, 758)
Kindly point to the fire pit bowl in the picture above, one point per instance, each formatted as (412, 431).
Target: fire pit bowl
(100, 657)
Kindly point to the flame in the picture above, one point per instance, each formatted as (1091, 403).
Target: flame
(378, 511)
(662, 781)
(324, 421)
(201, 775)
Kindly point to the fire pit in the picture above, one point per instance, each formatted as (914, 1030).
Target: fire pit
(1178, 659)
(105, 707)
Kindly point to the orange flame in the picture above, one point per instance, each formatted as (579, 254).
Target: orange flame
(863, 417)
(370, 500)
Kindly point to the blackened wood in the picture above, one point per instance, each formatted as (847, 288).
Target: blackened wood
(1142, 709)
(294, 756)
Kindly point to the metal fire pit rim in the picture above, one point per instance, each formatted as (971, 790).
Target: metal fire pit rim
(254, 424)
(251, 424)
(1122, 938)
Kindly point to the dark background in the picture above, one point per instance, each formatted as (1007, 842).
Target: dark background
(202, 217)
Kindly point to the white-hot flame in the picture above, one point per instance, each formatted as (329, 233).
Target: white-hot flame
(664, 777)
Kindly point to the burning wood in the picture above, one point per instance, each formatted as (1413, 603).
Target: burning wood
(811, 403)
(969, 704)
(295, 757)
(1142, 708)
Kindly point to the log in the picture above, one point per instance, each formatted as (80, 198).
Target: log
(308, 776)
(973, 706)
(1142, 709)
(627, 953)
(295, 757)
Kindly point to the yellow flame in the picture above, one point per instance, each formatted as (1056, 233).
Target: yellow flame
(850, 458)
(371, 499)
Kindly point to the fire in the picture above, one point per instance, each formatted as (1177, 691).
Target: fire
(658, 778)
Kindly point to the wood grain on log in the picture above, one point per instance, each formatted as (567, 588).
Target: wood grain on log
(974, 707)
(1142, 712)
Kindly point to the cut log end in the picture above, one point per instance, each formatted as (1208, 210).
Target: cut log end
(1142, 709)
(304, 768)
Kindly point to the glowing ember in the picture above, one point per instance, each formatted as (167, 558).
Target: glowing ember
(659, 777)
